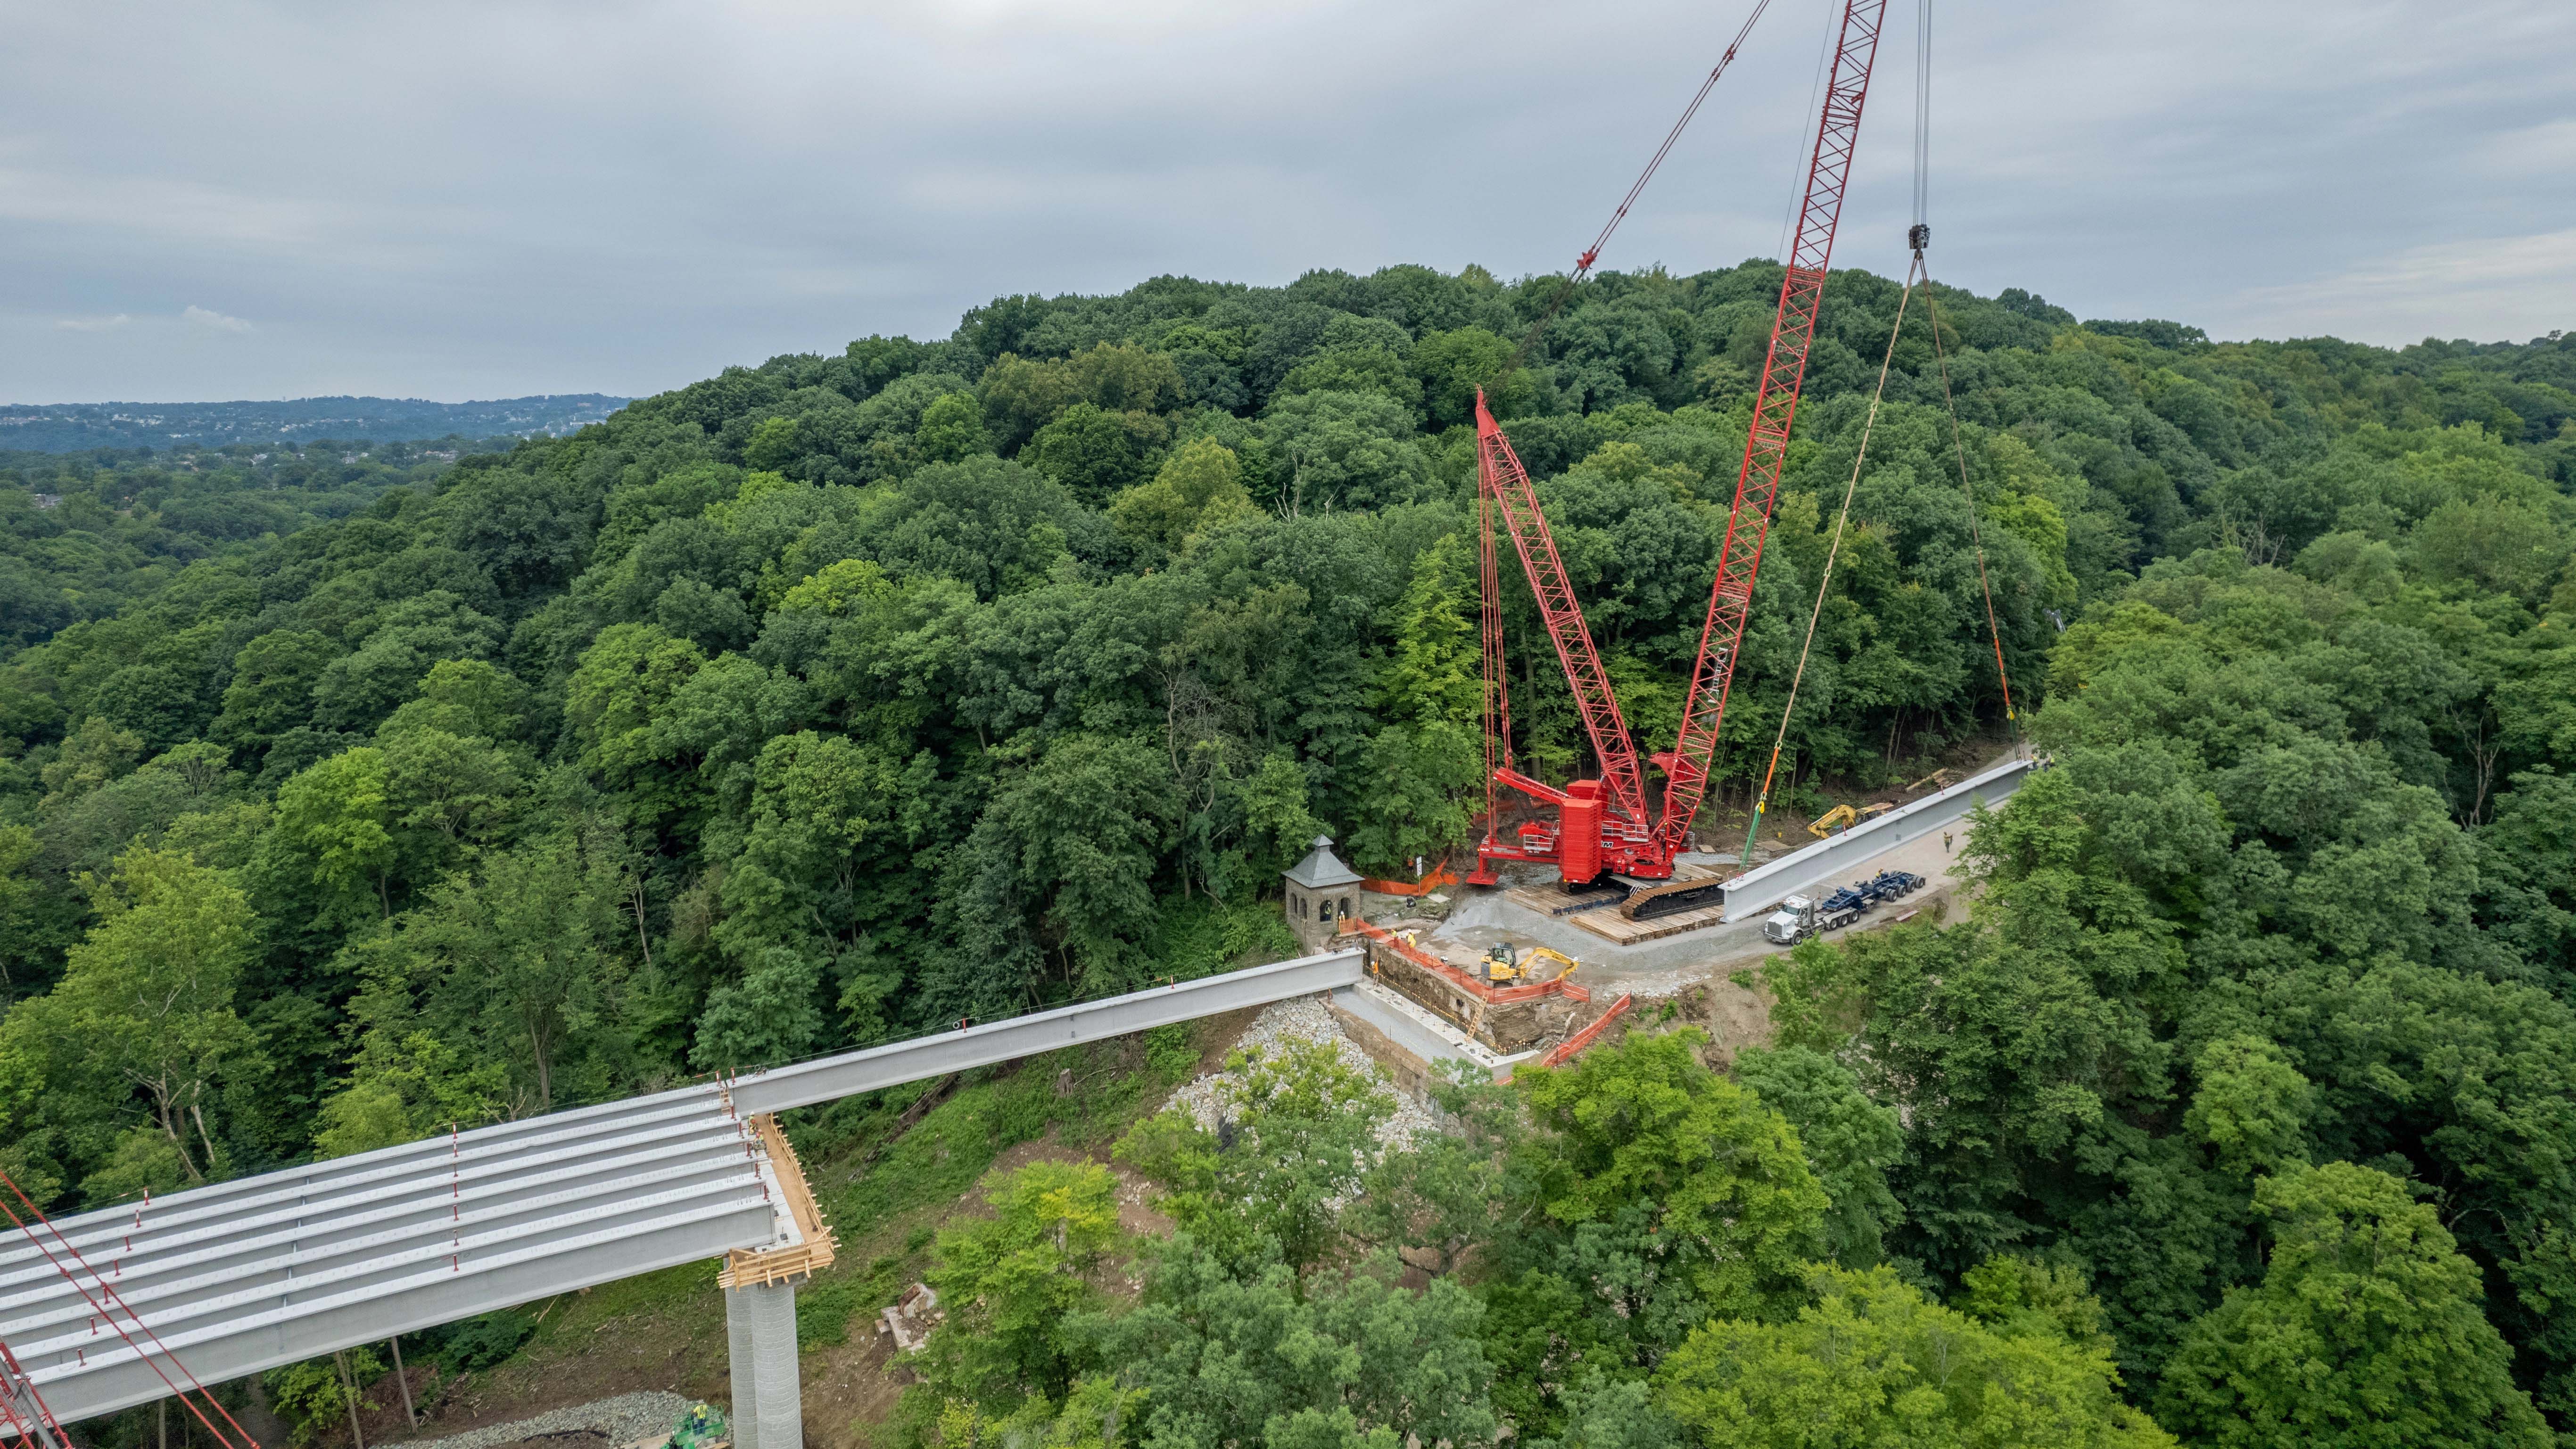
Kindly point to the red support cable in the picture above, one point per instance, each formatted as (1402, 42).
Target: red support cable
(28, 1418)
(1637, 188)
(1775, 409)
(1592, 253)
(108, 1293)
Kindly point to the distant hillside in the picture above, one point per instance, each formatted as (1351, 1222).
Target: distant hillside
(71, 427)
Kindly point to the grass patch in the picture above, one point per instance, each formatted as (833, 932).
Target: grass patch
(574, 1318)
(825, 1307)
(884, 1193)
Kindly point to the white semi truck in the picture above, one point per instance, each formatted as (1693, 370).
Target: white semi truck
(1798, 918)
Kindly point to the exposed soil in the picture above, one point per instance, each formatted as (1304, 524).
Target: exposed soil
(851, 1390)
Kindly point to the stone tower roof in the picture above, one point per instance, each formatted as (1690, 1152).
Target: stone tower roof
(1321, 869)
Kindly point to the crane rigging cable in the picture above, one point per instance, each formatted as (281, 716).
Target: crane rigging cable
(1923, 114)
(1976, 535)
(1833, 550)
(1920, 237)
(1592, 253)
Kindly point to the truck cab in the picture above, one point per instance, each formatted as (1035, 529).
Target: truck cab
(1795, 921)
(1798, 917)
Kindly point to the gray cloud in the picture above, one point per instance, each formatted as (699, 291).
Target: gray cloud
(485, 199)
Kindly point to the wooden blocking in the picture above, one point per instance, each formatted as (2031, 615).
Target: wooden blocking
(787, 1262)
(1610, 926)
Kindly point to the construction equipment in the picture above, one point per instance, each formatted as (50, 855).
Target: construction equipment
(1889, 885)
(1843, 817)
(1798, 918)
(1505, 966)
(1602, 826)
(1671, 897)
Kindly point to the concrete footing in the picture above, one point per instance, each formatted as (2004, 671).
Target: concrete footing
(760, 1334)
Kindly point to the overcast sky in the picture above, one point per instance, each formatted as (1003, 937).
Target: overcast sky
(436, 199)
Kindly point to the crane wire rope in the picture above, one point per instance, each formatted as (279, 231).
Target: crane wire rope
(1833, 550)
(1921, 237)
(108, 1315)
(1976, 535)
(1592, 253)
(1923, 115)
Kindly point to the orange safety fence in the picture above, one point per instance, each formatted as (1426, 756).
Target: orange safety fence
(1441, 875)
(1565, 1050)
(1492, 995)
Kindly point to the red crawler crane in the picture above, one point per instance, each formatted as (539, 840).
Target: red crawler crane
(1602, 826)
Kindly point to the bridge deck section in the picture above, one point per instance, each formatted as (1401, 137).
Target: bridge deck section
(238, 1277)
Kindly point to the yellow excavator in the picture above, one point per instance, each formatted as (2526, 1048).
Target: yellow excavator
(1843, 817)
(1503, 966)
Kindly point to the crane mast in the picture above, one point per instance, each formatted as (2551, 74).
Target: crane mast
(1602, 824)
(1775, 407)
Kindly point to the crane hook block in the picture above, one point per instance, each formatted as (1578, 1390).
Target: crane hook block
(1918, 236)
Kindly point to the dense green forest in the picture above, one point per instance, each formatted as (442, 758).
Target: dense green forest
(848, 695)
(83, 535)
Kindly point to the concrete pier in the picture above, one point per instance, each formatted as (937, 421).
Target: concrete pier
(760, 1332)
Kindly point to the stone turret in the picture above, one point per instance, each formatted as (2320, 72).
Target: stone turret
(1320, 891)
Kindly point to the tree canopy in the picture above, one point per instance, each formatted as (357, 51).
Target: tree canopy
(853, 693)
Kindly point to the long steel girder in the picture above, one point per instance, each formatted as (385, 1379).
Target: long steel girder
(1820, 867)
(243, 1276)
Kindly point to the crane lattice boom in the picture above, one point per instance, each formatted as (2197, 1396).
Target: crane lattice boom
(1775, 407)
(1603, 824)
